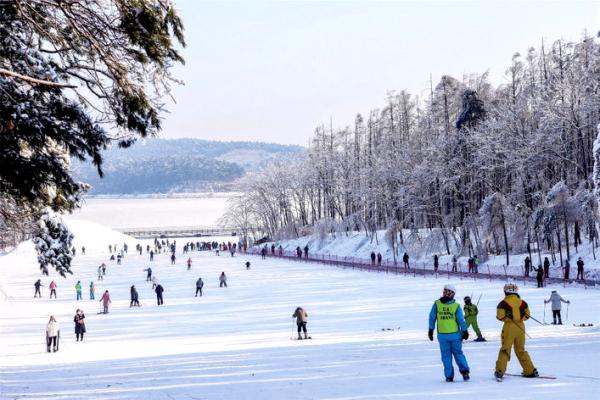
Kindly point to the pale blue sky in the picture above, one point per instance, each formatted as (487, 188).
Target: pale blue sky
(272, 71)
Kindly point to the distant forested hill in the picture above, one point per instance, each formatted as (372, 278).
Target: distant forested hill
(178, 165)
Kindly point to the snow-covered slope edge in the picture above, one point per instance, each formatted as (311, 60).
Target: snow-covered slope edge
(422, 250)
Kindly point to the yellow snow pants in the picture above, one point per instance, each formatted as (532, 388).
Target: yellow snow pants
(513, 335)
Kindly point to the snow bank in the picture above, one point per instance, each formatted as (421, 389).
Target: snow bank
(422, 248)
(96, 237)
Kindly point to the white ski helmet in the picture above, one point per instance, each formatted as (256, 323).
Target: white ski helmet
(450, 288)
(511, 288)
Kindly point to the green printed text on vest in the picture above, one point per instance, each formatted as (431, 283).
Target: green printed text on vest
(446, 317)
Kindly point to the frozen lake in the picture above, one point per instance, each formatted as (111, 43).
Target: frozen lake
(154, 212)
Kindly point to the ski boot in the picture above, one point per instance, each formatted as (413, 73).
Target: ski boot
(465, 375)
(449, 379)
(480, 339)
(498, 376)
(534, 374)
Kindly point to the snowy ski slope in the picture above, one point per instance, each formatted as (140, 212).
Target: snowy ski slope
(234, 343)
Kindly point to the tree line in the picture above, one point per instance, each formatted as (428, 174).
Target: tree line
(487, 170)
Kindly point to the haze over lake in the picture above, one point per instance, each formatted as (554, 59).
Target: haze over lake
(154, 212)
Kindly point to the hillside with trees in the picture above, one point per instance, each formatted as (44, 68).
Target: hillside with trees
(501, 170)
(178, 165)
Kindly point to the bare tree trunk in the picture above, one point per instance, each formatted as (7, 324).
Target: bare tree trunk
(505, 236)
(559, 247)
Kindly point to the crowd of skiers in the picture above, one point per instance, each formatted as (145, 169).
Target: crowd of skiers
(52, 330)
(446, 316)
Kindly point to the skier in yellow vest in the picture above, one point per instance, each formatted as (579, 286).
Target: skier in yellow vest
(513, 312)
(451, 330)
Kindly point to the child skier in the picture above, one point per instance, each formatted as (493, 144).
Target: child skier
(556, 300)
(513, 312)
(52, 288)
(301, 320)
(471, 312)
(92, 291)
(451, 331)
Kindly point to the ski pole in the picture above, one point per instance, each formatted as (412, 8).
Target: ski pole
(479, 299)
(536, 319)
(568, 312)
(544, 312)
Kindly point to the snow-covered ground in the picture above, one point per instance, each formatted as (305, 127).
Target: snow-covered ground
(358, 245)
(234, 343)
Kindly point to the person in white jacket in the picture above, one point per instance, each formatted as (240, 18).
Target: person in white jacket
(556, 301)
(52, 333)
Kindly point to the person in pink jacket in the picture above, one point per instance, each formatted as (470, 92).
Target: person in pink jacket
(52, 288)
(105, 299)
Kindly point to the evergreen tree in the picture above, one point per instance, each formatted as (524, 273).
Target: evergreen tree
(75, 77)
(53, 242)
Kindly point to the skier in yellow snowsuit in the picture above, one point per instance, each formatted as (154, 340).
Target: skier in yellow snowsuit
(513, 312)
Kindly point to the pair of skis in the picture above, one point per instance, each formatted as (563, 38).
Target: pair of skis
(521, 376)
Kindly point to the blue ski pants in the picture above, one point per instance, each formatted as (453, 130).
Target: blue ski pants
(451, 345)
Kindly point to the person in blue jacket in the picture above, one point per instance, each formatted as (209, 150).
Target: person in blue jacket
(451, 330)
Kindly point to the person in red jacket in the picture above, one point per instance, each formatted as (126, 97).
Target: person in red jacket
(105, 299)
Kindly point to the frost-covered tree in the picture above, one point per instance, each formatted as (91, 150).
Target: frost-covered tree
(53, 243)
(75, 77)
(563, 209)
(587, 215)
(493, 220)
(596, 174)
(430, 163)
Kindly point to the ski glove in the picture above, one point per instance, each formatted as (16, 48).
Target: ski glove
(465, 335)
(430, 334)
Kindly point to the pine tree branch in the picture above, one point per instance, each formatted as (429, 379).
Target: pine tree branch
(34, 81)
